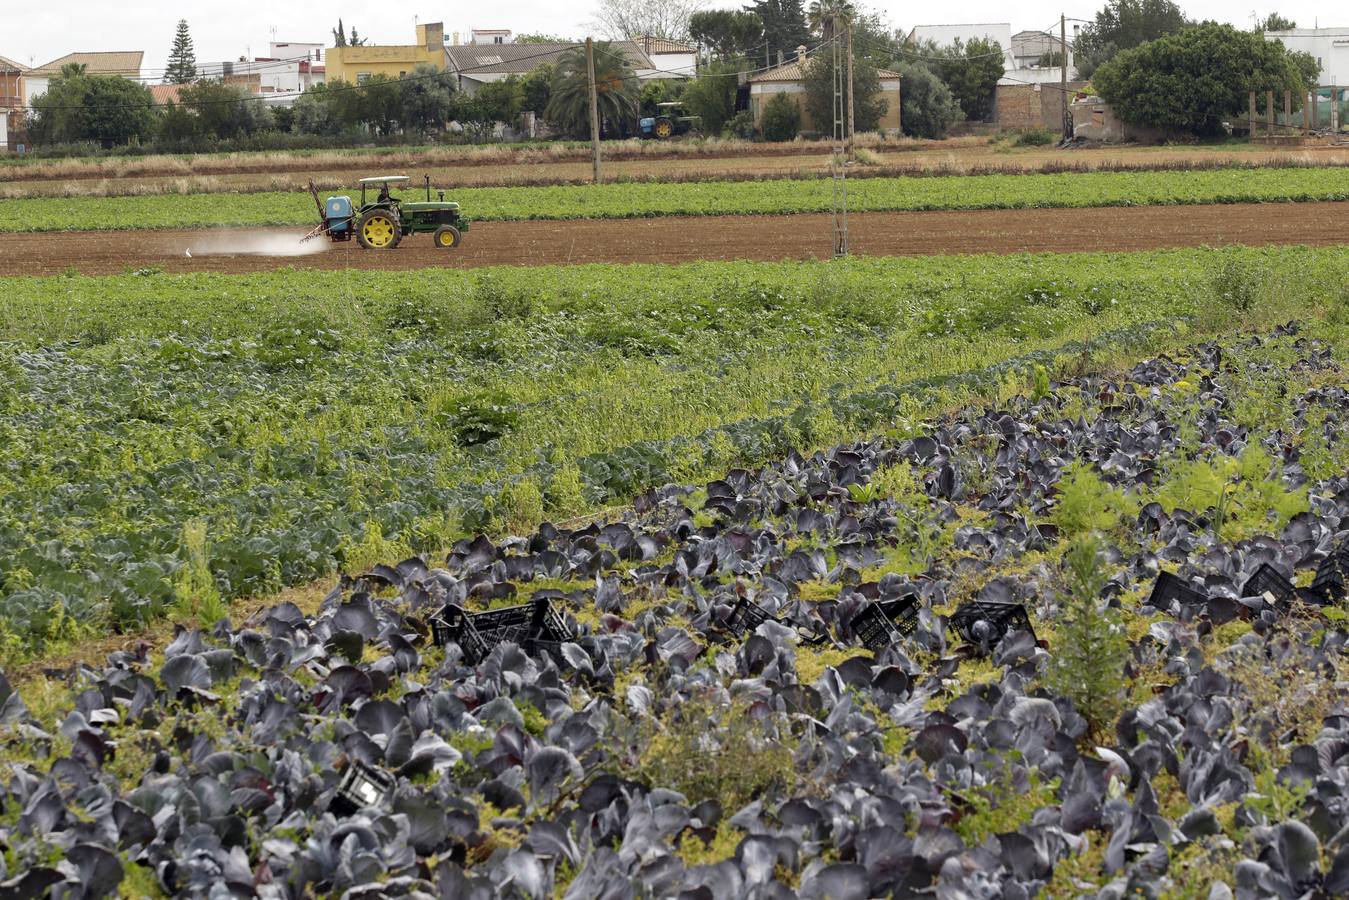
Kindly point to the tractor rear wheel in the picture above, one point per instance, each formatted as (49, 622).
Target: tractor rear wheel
(664, 128)
(379, 229)
(447, 237)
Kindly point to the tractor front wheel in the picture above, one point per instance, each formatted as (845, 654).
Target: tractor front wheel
(379, 230)
(447, 237)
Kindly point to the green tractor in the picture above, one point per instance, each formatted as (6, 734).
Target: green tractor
(668, 121)
(382, 223)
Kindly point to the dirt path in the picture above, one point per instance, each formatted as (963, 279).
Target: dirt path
(667, 240)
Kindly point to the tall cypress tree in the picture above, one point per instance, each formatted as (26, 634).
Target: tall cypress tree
(182, 68)
(339, 35)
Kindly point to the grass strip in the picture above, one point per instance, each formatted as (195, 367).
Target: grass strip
(714, 198)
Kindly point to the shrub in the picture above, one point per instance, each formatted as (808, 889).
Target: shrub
(1236, 282)
(781, 118)
(1086, 503)
(707, 751)
(1092, 648)
(195, 593)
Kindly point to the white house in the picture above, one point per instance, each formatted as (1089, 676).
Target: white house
(669, 59)
(480, 36)
(1330, 46)
(291, 67)
(474, 65)
(124, 63)
(946, 35)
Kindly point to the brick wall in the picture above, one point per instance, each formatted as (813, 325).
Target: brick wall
(1022, 106)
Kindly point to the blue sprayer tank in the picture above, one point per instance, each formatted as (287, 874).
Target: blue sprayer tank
(338, 212)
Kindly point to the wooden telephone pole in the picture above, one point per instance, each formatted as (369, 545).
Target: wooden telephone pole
(594, 107)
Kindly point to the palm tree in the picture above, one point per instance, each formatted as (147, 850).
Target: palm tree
(616, 89)
(824, 13)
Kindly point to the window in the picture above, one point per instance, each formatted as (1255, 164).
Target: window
(362, 77)
(402, 74)
(498, 40)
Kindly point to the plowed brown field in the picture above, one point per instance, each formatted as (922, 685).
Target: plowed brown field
(667, 240)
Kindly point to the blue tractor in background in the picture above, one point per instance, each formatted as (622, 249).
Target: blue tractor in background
(667, 122)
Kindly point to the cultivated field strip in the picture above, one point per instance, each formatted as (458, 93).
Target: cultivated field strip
(645, 200)
(303, 421)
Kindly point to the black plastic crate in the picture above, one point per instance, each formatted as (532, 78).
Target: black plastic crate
(884, 622)
(534, 623)
(987, 622)
(1267, 580)
(747, 616)
(1332, 575)
(1170, 587)
(361, 787)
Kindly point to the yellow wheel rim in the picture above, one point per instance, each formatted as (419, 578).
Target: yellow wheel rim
(446, 239)
(378, 232)
(663, 129)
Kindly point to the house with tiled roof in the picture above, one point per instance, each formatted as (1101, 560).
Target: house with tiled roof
(126, 63)
(478, 64)
(11, 102)
(790, 78)
(674, 58)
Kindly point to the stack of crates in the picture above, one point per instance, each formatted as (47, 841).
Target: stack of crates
(535, 626)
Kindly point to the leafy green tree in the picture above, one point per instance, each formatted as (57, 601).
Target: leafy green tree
(425, 99)
(111, 111)
(616, 87)
(541, 39)
(182, 67)
(501, 101)
(117, 111)
(537, 86)
(176, 124)
(381, 102)
(784, 26)
(781, 118)
(224, 111)
(726, 33)
(711, 96)
(661, 90)
(339, 35)
(1123, 25)
(971, 70)
(313, 111)
(1192, 80)
(929, 109)
(1275, 22)
(1092, 649)
(868, 108)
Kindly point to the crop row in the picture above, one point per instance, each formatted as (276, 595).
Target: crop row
(310, 421)
(630, 200)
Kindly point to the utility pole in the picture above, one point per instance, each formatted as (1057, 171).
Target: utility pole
(1063, 76)
(851, 127)
(839, 163)
(594, 107)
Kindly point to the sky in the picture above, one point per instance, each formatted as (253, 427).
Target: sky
(36, 32)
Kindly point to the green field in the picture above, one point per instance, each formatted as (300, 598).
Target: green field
(628, 200)
(309, 421)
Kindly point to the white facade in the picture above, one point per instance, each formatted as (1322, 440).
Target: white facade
(34, 86)
(666, 65)
(479, 36)
(1330, 47)
(946, 35)
(292, 68)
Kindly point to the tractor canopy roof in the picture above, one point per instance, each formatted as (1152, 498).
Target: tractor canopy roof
(381, 179)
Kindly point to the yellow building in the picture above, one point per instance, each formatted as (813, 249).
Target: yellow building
(358, 64)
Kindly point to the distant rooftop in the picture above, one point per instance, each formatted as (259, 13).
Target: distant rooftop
(112, 62)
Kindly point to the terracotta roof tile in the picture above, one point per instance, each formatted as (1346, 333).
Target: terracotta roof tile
(117, 62)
